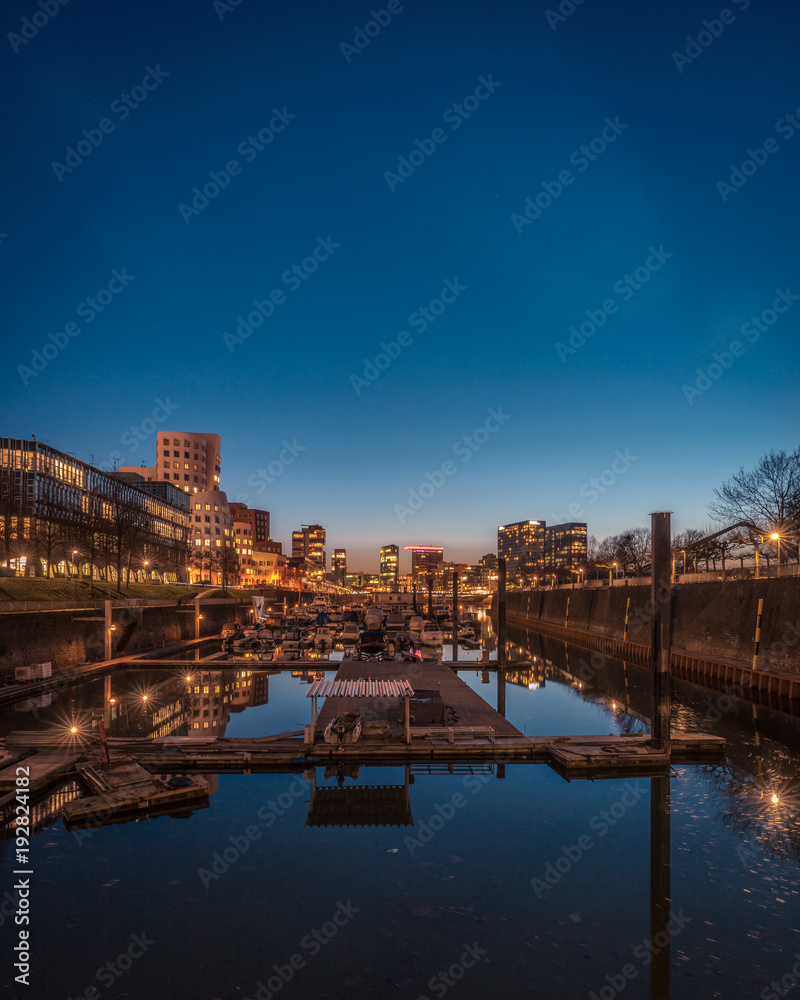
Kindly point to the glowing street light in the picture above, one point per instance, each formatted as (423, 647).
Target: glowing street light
(775, 536)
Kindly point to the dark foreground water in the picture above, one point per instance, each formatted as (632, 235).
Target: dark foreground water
(511, 882)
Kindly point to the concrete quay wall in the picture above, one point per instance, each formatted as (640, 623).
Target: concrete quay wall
(709, 619)
(63, 639)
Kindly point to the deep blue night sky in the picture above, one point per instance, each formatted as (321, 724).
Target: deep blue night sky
(330, 174)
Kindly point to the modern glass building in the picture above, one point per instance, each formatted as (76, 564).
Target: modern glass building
(565, 545)
(389, 565)
(521, 543)
(60, 512)
(425, 560)
(339, 564)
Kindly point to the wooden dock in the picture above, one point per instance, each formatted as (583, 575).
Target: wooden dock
(463, 706)
(124, 788)
(454, 725)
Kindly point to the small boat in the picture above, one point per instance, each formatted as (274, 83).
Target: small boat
(323, 637)
(291, 639)
(395, 621)
(373, 618)
(431, 635)
(466, 633)
(350, 633)
(343, 728)
(371, 641)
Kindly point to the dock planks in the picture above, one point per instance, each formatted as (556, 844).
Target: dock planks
(468, 707)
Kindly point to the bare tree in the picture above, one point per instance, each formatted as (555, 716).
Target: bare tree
(767, 495)
(633, 549)
(226, 561)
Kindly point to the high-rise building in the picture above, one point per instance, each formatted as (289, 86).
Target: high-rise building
(425, 560)
(565, 545)
(187, 459)
(389, 565)
(339, 564)
(309, 543)
(521, 544)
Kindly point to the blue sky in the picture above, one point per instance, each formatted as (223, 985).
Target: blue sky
(514, 95)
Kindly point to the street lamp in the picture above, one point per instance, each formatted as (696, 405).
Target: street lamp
(775, 536)
(146, 564)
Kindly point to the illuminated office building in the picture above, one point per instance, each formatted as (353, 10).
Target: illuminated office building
(389, 565)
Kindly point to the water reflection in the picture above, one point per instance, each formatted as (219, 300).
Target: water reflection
(718, 849)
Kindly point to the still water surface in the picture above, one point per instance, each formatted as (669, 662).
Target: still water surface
(511, 882)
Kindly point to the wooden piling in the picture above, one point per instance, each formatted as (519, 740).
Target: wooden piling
(501, 610)
(455, 614)
(660, 628)
(107, 632)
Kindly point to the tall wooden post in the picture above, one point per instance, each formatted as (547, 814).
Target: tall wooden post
(660, 629)
(501, 610)
(107, 632)
(455, 615)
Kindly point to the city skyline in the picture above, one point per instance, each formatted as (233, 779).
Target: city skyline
(451, 258)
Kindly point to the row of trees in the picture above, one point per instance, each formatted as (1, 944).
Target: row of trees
(222, 562)
(113, 535)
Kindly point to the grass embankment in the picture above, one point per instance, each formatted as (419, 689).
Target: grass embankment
(38, 589)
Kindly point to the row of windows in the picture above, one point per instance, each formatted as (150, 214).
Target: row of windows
(176, 442)
(177, 454)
